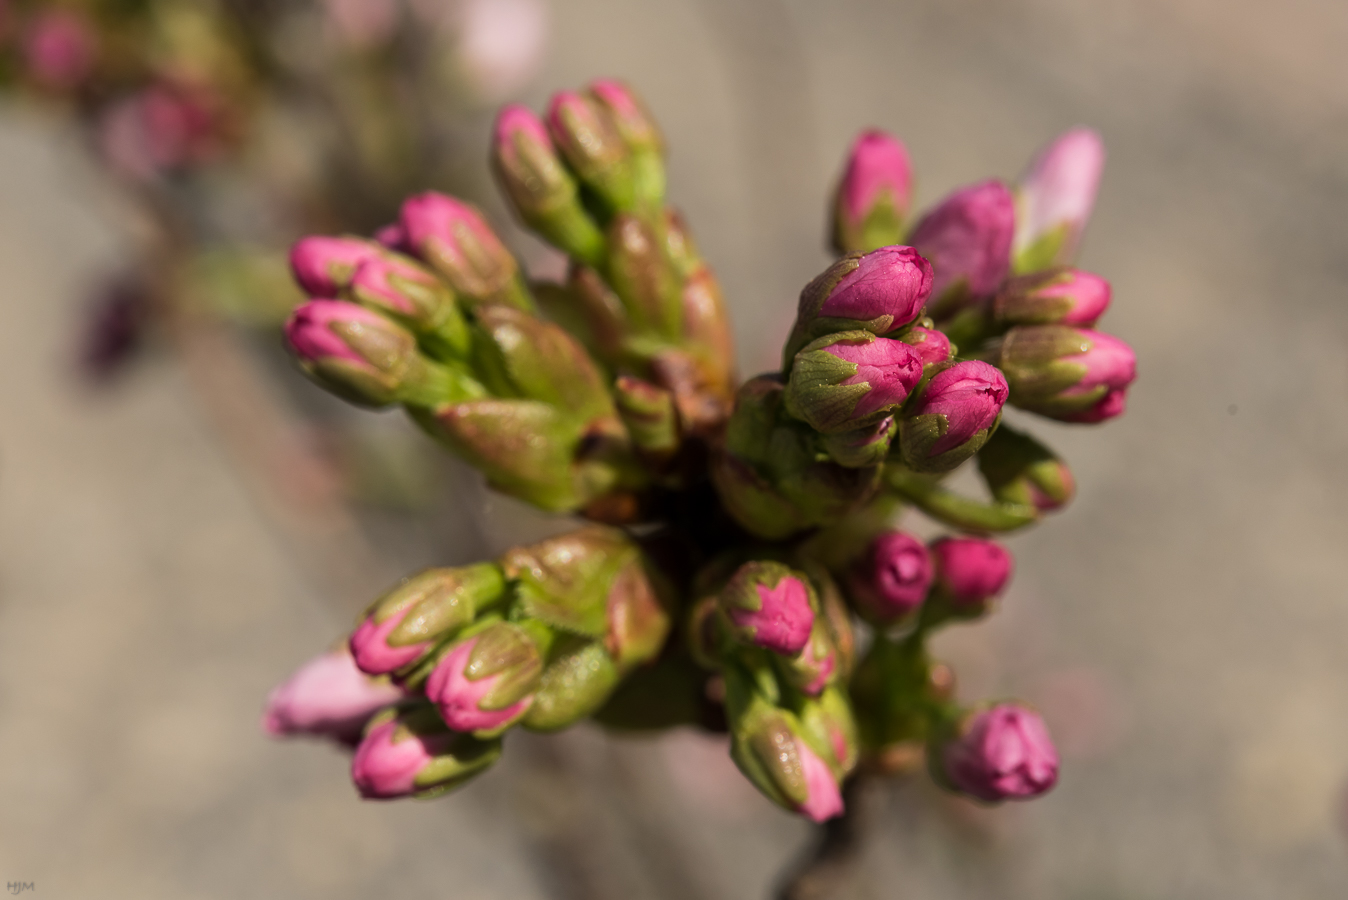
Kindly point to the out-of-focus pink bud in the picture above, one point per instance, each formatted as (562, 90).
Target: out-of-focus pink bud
(823, 799)
(769, 745)
(454, 239)
(1056, 196)
(324, 266)
(967, 238)
(160, 129)
(930, 345)
(1066, 373)
(953, 417)
(410, 752)
(1001, 753)
(768, 605)
(894, 577)
(872, 201)
(1067, 296)
(328, 697)
(971, 571)
(485, 683)
(500, 44)
(393, 237)
(844, 381)
(394, 284)
(59, 48)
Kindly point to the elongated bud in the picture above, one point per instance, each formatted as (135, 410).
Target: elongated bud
(484, 684)
(844, 381)
(970, 572)
(879, 292)
(1067, 373)
(410, 753)
(455, 241)
(648, 412)
(362, 356)
(404, 290)
(769, 605)
(327, 697)
(324, 266)
(1003, 752)
(706, 331)
(545, 195)
(893, 578)
(1055, 198)
(1066, 296)
(867, 446)
(404, 624)
(816, 666)
(637, 612)
(871, 207)
(953, 416)
(931, 346)
(770, 748)
(967, 238)
(836, 616)
(644, 278)
(591, 145)
(635, 125)
(566, 580)
(579, 677)
(1018, 469)
(831, 723)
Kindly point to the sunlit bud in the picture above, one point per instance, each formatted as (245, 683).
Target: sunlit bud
(410, 753)
(871, 207)
(1067, 373)
(579, 677)
(648, 412)
(59, 48)
(953, 416)
(454, 240)
(1055, 198)
(324, 266)
(638, 131)
(967, 238)
(1018, 469)
(970, 572)
(894, 577)
(1067, 296)
(637, 612)
(404, 624)
(585, 134)
(406, 291)
(485, 683)
(999, 753)
(327, 697)
(867, 446)
(831, 723)
(843, 381)
(930, 345)
(643, 277)
(770, 747)
(769, 605)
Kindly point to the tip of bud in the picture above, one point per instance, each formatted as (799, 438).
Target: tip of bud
(970, 395)
(324, 265)
(878, 163)
(892, 281)
(309, 332)
(769, 606)
(514, 122)
(896, 575)
(971, 570)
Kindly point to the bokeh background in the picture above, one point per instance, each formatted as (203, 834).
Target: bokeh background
(1183, 626)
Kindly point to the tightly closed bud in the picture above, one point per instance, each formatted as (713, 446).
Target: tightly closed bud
(816, 666)
(1066, 296)
(953, 416)
(404, 624)
(454, 240)
(638, 131)
(637, 612)
(543, 192)
(894, 577)
(770, 747)
(591, 145)
(1055, 200)
(579, 677)
(1018, 469)
(931, 346)
(871, 207)
(864, 447)
(970, 571)
(1066, 373)
(830, 722)
(485, 683)
(649, 414)
(967, 237)
(324, 266)
(879, 292)
(566, 580)
(844, 381)
(411, 753)
(769, 605)
(327, 697)
(362, 356)
(404, 290)
(1000, 753)
(644, 278)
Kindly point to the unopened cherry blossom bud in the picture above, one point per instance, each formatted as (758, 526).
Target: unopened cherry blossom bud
(649, 414)
(59, 48)
(843, 381)
(999, 753)
(953, 416)
(404, 624)
(893, 578)
(871, 207)
(485, 683)
(816, 666)
(410, 753)
(408, 292)
(324, 266)
(1018, 469)
(644, 277)
(769, 605)
(967, 238)
(931, 346)
(866, 446)
(1066, 296)
(1055, 198)
(327, 697)
(831, 723)
(970, 572)
(639, 132)
(455, 241)
(585, 134)
(879, 292)
(771, 748)
(579, 677)
(1067, 373)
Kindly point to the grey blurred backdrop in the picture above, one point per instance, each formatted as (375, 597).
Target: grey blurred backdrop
(1183, 625)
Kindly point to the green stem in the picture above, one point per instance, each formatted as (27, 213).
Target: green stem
(955, 510)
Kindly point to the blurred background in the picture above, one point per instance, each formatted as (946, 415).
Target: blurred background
(181, 528)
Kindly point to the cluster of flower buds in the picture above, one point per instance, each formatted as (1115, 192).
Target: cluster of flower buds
(777, 542)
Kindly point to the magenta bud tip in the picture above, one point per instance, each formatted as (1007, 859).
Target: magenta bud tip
(323, 265)
(823, 798)
(310, 335)
(970, 395)
(327, 696)
(971, 570)
(1003, 753)
(968, 238)
(459, 698)
(897, 574)
(894, 281)
(384, 768)
(371, 650)
(878, 162)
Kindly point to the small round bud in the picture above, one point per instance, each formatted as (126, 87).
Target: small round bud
(971, 571)
(1066, 296)
(1000, 753)
(769, 605)
(1066, 373)
(845, 381)
(894, 577)
(953, 416)
(485, 683)
(411, 753)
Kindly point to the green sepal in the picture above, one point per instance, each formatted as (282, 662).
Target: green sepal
(577, 680)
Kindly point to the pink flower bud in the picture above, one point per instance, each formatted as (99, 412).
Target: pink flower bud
(1057, 194)
(969, 395)
(930, 345)
(327, 696)
(971, 570)
(1096, 368)
(463, 698)
(1109, 406)
(324, 266)
(891, 368)
(967, 237)
(372, 651)
(386, 767)
(406, 621)
(454, 239)
(823, 799)
(628, 114)
(875, 193)
(515, 124)
(890, 282)
(843, 381)
(769, 606)
(1002, 753)
(1069, 296)
(59, 49)
(309, 330)
(895, 576)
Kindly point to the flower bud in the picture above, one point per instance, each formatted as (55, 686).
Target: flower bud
(324, 266)
(953, 416)
(649, 414)
(931, 346)
(485, 683)
(843, 381)
(816, 666)
(1066, 296)
(644, 278)
(769, 605)
(638, 131)
(879, 292)
(1066, 373)
(770, 748)
(831, 723)
(455, 241)
(404, 290)
(579, 677)
(637, 613)
(1018, 469)
(893, 578)
(329, 697)
(411, 753)
(404, 624)
(706, 331)
(1000, 753)
(864, 447)
(59, 48)
(871, 206)
(970, 572)
(592, 146)
(967, 237)
(1055, 198)
(543, 192)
